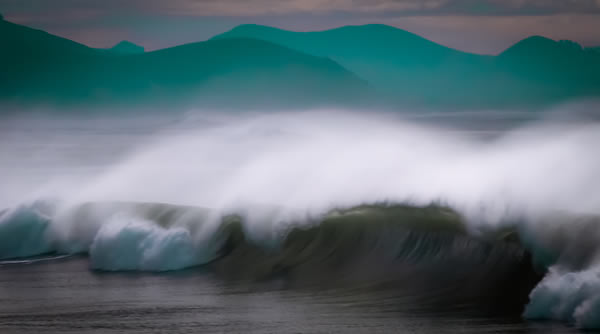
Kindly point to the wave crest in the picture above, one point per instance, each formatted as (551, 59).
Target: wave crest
(24, 232)
(129, 243)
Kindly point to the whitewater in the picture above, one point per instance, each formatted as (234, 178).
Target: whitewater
(297, 193)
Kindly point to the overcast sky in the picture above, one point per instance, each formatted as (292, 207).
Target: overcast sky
(483, 26)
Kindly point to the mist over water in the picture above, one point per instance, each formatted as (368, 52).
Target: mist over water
(281, 169)
(309, 160)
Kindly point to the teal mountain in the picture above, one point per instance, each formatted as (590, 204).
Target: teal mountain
(252, 65)
(126, 47)
(535, 71)
(42, 68)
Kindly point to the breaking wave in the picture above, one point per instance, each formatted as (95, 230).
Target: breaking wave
(426, 249)
(510, 219)
(23, 232)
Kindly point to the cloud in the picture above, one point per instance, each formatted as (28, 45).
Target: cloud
(387, 7)
(282, 7)
(520, 7)
(270, 7)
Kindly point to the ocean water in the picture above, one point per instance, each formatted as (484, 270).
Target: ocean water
(66, 297)
(299, 221)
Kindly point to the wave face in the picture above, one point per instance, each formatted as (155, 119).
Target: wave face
(23, 232)
(424, 250)
(313, 197)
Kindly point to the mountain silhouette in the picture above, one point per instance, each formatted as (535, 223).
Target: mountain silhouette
(411, 68)
(561, 69)
(235, 72)
(383, 55)
(256, 66)
(34, 61)
(126, 47)
(595, 48)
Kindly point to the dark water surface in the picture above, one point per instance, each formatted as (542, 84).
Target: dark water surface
(64, 296)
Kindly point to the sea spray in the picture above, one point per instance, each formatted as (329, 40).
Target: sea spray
(301, 166)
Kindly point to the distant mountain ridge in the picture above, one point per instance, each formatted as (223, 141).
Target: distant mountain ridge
(126, 47)
(381, 54)
(414, 69)
(234, 72)
(253, 65)
(560, 69)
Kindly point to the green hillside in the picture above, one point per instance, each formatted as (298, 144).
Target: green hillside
(43, 68)
(415, 70)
